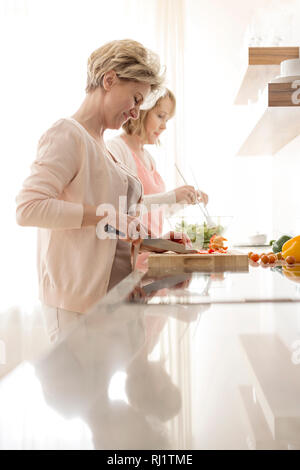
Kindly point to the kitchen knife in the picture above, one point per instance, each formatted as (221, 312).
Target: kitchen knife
(159, 245)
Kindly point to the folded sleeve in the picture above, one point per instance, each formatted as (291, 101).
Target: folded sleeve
(39, 203)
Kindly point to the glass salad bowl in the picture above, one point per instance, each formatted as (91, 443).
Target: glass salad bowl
(198, 229)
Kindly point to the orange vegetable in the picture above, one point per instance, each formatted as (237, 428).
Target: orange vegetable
(292, 248)
(290, 259)
(254, 257)
(272, 258)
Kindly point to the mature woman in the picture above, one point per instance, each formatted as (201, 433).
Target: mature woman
(129, 147)
(73, 174)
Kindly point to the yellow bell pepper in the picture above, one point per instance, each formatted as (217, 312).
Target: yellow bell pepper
(292, 248)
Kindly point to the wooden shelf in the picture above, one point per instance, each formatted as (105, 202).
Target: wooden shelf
(277, 384)
(263, 65)
(283, 94)
(277, 121)
(271, 55)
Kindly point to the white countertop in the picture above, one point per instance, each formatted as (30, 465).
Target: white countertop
(173, 376)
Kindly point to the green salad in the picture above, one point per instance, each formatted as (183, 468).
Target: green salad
(199, 234)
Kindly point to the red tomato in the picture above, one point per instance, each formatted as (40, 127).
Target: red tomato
(254, 257)
(290, 260)
(265, 259)
(272, 259)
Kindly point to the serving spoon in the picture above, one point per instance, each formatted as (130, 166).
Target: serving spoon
(204, 211)
(210, 221)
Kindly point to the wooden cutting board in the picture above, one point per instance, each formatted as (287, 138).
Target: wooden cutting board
(233, 260)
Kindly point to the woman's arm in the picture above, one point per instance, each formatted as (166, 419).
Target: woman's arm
(160, 199)
(57, 163)
(178, 196)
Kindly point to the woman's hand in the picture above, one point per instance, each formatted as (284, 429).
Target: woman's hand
(202, 197)
(179, 238)
(189, 195)
(130, 228)
(89, 216)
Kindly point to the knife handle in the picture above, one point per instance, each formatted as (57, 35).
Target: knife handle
(110, 229)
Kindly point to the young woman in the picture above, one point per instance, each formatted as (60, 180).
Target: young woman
(73, 174)
(129, 147)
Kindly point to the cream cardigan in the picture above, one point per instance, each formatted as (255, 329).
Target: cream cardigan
(70, 170)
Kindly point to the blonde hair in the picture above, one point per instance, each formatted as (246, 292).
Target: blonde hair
(138, 126)
(129, 59)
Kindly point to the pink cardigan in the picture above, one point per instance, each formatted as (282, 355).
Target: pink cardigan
(71, 169)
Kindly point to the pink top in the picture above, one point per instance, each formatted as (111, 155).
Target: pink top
(152, 183)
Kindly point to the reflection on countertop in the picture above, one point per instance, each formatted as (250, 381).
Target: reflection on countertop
(258, 285)
(219, 372)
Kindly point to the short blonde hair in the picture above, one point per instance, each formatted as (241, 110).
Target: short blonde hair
(129, 59)
(138, 126)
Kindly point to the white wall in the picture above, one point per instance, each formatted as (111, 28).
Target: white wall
(285, 190)
(217, 37)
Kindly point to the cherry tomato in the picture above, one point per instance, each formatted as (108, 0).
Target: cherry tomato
(290, 260)
(279, 255)
(261, 255)
(254, 257)
(265, 259)
(249, 254)
(272, 259)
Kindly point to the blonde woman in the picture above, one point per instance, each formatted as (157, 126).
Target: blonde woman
(129, 148)
(73, 174)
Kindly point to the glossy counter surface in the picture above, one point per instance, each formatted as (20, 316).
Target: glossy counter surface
(205, 362)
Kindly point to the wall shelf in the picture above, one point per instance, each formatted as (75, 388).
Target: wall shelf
(263, 65)
(277, 121)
